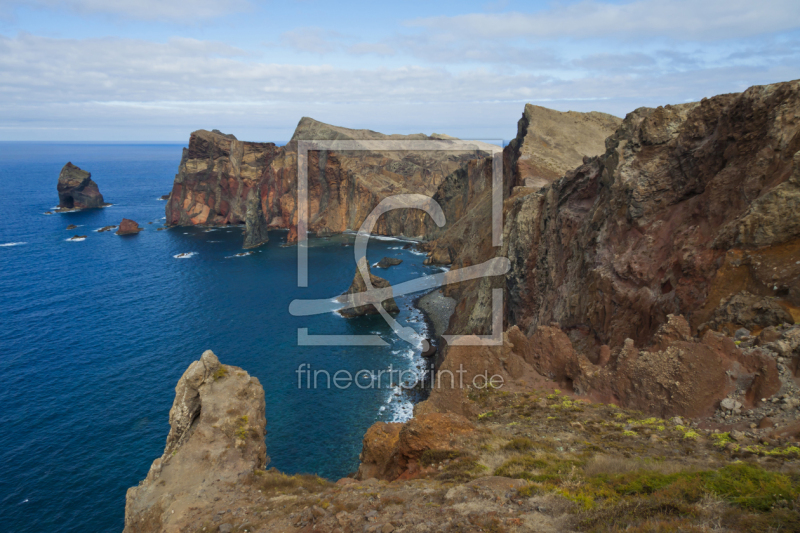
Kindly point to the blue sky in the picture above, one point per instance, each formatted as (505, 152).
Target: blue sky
(75, 70)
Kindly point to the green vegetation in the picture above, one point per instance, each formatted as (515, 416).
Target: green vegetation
(221, 372)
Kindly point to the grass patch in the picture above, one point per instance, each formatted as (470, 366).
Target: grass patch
(221, 372)
(273, 481)
(520, 444)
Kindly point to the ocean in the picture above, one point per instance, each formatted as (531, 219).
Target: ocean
(96, 333)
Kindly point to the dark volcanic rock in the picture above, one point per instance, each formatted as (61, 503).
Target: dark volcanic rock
(256, 225)
(128, 227)
(76, 190)
(72, 226)
(359, 286)
(386, 262)
(689, 205)
(165, 197)
(748, 310)
(106, 228)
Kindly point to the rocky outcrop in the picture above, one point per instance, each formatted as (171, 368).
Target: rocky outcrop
(357, 304)
(216, 437)
(550, 142)
(76, 190)
(689, 205)
(218, 172)
(128, 227)
(392, 450)
(256, 226)
(387, 262)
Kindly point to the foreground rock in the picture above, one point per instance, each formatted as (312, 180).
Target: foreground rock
(354, 297)
(216, 438)
(76, 190)
(128, 227)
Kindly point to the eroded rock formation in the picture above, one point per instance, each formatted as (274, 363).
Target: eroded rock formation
(222, 180)
(76, 190)
(216, 437)
(358, 304)
(688, 206)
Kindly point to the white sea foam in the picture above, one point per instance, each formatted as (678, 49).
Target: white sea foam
(72, 239)
(13, 244)
(185, 255)
(242, 254)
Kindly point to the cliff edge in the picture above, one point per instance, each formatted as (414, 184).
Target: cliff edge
(216, 437)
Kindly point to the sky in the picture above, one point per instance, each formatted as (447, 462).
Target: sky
(156, 70)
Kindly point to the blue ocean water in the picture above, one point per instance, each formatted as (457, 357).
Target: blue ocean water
(96, 333)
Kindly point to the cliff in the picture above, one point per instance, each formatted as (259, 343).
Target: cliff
(222, 181)
(622, 269)
(76, 190)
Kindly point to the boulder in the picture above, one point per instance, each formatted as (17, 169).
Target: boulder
(128, 227)
(391, 450)
(360, 304)
(72, 226)
(216, 437)
(76, 190)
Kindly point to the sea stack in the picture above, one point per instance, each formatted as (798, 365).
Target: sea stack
(128, 227)
(76, 190)
(359, 286)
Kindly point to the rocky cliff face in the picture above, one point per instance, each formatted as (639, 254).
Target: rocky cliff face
(688, 206)
(76, 190)
(550, 142)
(216, 438)
(621, 269)
(225, 181)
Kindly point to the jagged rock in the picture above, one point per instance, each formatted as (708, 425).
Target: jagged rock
(387, 262)
(106, 228)
(216, 436)
(128, 227)
(256, 227)
(72, 226)
(750, 311)
(657, 225)
(440, 255)
(361, 306)
(550, 142)
(76, 190)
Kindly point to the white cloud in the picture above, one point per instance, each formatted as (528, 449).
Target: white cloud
(705, 20)
(124, 88)
(173, 10)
